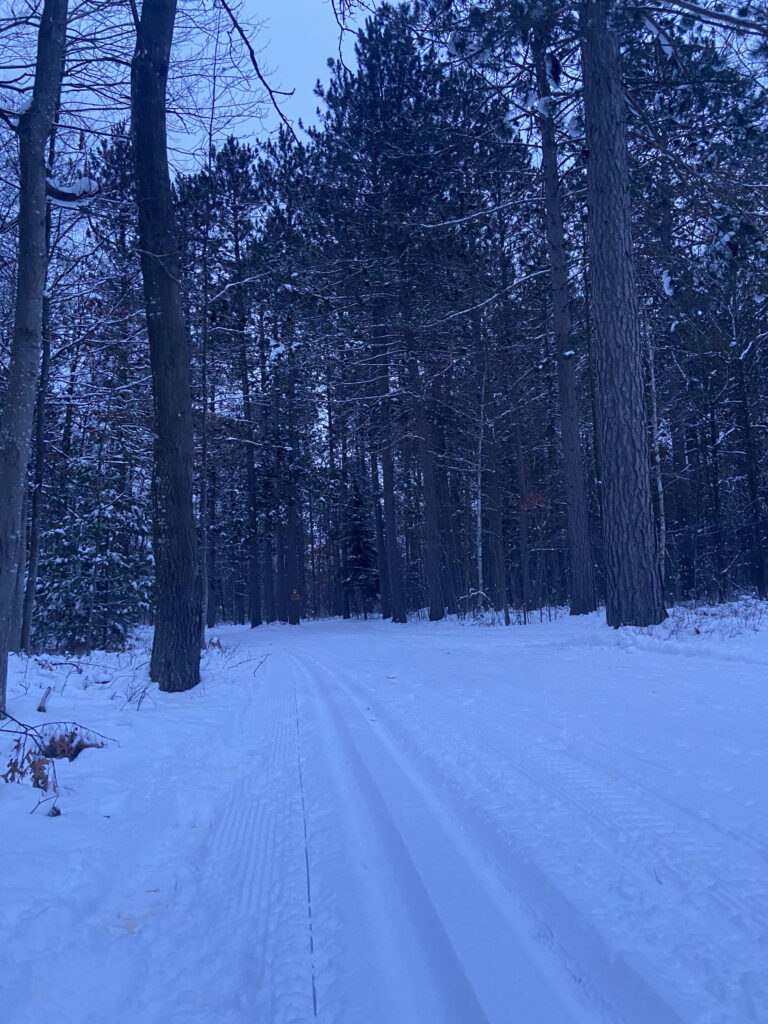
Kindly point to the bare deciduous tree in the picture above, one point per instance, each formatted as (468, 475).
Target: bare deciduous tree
(34, 128)
(175, 662)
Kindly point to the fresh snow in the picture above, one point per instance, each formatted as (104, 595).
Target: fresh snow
(363, 823)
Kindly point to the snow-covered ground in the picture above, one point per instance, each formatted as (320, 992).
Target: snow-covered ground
(382, 824)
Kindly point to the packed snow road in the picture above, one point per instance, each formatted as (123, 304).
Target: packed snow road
(360, 823)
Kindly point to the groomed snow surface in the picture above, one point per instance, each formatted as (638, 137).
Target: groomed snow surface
(363, 823)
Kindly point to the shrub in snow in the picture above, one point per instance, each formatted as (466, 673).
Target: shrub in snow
(36, 749)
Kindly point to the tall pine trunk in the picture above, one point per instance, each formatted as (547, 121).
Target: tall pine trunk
(582, 584)
(633, 582)
(175, 662)
(18, 408)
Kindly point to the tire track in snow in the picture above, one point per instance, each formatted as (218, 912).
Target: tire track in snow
(641, 789)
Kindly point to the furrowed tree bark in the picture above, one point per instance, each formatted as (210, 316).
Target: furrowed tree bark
(633, 583)
(175, 662)
(34, 127)
(582, 584)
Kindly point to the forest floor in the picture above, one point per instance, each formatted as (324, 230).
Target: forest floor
(362, 823)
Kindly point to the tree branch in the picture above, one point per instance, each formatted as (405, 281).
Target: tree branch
(273, 93)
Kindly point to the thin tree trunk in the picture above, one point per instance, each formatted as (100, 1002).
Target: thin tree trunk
(39, 471)
(254, 576)
(432, 546)
(398, 603)
(496, 528)
(175, 661)
(203, 559)
(431, 517)
(281, 579)
(523, 526)
(346, 589)
(269, 573)
(214, 603)
(37, 487)
(478, 474)
(381, 546)
(267, 481)
(656, 452)
(394, 561)
(18, 409)
(294, 584)
(14, 636)
(712, 462)
(680, 511)
(633, 583)
(753, 489)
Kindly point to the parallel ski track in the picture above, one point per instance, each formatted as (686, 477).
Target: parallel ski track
(652, 849)
(490, 970)
(606, 978)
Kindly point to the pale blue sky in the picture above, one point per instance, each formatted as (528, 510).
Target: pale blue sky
(295, 42)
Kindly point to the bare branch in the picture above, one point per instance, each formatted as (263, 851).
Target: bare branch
(273, 93)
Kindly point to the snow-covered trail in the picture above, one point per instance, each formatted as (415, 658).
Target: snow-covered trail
(409, 825)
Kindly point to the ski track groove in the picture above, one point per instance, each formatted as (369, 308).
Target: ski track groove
(436, 934)
(499, 848)
(306, 850)
(645, 843)
(434, 945)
